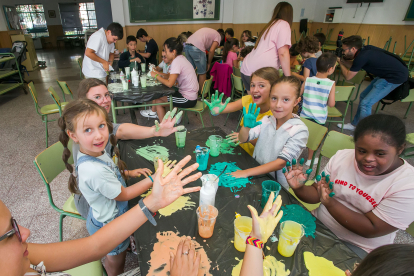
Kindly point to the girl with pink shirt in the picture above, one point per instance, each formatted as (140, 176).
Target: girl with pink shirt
(231, 47)
(366, 194)
(272, 46)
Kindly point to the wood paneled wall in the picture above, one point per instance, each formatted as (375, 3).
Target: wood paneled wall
(54, 32)
(378, 34)
(5, 40)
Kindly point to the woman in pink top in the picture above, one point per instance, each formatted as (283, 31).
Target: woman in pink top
(182, 72)
(371, 193)
(231, 47)
(272, 47)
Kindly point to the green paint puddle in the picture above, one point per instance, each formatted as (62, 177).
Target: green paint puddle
(226, 180)
(296, 213)
(225, 146)
(149, 152)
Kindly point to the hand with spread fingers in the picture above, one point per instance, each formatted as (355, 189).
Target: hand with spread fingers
(187, 261)
(294, 174)
(233, 138)
(168, 166)
(217, 106)
(169, 188)
(250, 117)
(265, 224)
(167, 124)
(139, 172)
(325, 189)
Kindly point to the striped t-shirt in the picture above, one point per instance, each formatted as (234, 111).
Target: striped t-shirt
(315, 99)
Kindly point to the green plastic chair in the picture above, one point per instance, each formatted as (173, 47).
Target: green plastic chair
(316, 134)
(236, 72)
(56, 99)
(358, 79)
(201, 105)
(92, 269)
(334, 141)
(408, 151)
(237, 89)
(342, 94)
(45, 110)
(80, 62)
(65, 89)
(49, 164)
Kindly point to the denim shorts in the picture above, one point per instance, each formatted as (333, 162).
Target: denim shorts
(197, 58)
(92, 225)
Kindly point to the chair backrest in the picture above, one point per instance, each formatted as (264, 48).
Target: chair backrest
(33, 92)
(336, 141)
(206, 87)
(54, 96)
(343, 93)
(65, 88)
(316, 134)
(237, 83)
(236, 71)
(49, 162)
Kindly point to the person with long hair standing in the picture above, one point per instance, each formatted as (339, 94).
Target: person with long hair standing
(272, 46)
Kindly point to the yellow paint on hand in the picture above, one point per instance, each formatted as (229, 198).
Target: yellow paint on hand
(319, 266)
(271, 267)
(182, 203)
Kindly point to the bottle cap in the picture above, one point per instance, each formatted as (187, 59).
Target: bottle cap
(237, 215)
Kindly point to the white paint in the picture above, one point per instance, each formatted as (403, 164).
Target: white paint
(390, 12)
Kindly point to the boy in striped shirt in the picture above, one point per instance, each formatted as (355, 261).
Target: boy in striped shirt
(318, 93)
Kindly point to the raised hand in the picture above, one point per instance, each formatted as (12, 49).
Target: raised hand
(250, 117)
(217, 106)
(325, 188)
(265, 224)
(294, 174)
(168, 189)
(167, 125)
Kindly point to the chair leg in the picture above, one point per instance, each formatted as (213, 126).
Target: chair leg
(408, 110)
(201, 118)
(211, 119)
(352, 108)
(376, 110)
(47, 132)
(62, 216)
(225, 122)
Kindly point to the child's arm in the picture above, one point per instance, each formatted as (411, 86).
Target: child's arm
(167, 82)
(90, 53)
(272, 166)
(236, 63)
(300, 77)
(69, 254)
(331, 98)
(135, 190)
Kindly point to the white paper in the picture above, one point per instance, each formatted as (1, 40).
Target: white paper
(203, 8)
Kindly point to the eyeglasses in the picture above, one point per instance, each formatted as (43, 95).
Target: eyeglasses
(15, 230)
(108, 96)
(343, 50)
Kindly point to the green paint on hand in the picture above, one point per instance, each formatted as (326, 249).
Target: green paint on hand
(331, 194)
(318, 178)
(173, 112)
(296, 213)
(157, 126)
(180, 128)
(302, 161)
(226, 146)
(288, 164)
(178, 116)
(323, 174)
(294, 162)
(226, 179)
(167, 115)
(309, 171)
(149, 152)
(327, 178)
(331, 185)
(283, 170)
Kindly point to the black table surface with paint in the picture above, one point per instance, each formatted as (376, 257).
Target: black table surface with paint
(220, 247)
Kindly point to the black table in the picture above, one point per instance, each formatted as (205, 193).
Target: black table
(137, 96)
(220, 249)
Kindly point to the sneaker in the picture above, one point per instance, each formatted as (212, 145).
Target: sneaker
(347, 126)
(148, 113)
(308, 163)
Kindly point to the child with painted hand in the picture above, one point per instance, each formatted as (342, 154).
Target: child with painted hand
(366, 194)
(281, 136)
(100, 180)
(260, 84)
(263, 227)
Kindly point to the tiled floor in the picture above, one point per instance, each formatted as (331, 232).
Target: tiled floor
(22, 137)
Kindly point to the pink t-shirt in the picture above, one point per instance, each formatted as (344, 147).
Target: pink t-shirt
(230, 57)
(390, 197)
(265, 55)
(187, 78)
(204, 38)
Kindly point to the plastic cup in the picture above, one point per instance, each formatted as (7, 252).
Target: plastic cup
(269, 186)
(202, 158)
(144, 81)
(143, 67)
(215, 143)
(210, 177)
(206, 215)
(242, 229)
(127, 72)
(289, 237)
(180, 137)
(155, 159)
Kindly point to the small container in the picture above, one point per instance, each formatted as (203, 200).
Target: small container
(208, 194)
(143, 67)
(180, 136)
(143, 81)
(125, 85)
(212, 178)
(242, 229)
(128, 72)
(135, 81)
(290, 234)
(206, 215)
(269, 186)
(202, 154)
(155, 159)
(215, 144)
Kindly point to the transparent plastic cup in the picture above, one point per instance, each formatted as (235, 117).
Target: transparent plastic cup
(269, 186)
(155, 159)
(206, 215)
(143, 67)
(242, 229)
(290, 235)
(143, 81)
(215, 143)
(202, 158)
(180, 137)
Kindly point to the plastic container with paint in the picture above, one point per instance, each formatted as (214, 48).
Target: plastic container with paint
(208, 194)
(290, 234)
(242, 229)
(202, 154)
(206, 215)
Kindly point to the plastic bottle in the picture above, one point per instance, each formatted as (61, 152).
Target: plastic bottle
(134, 74)
(122, 77)
(208, 194)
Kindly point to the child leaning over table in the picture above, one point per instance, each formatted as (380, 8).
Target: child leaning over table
(318, 93)
(131, 56)
(281, 137)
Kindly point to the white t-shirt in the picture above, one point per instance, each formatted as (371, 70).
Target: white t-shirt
(99, 44)
(99, 185)
(390, 197)
(165, 67)
(187, 78)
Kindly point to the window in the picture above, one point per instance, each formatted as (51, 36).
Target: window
(87, 15)
(32, 20)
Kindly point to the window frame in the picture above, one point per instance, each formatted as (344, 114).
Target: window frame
(33, 16)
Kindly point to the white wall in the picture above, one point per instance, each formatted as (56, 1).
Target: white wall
(389, 12)
(260, 11)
